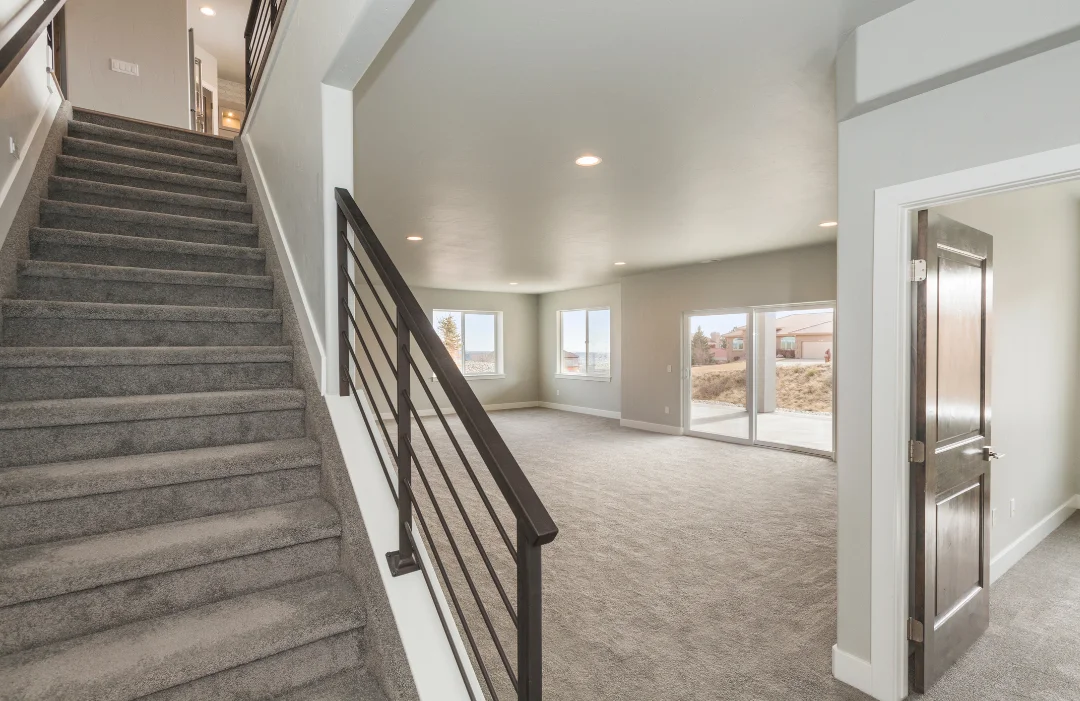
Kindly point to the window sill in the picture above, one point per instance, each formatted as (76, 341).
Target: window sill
(587, 378)
(470, 378)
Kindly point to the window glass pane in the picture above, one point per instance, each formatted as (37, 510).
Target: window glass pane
(599, 342)
(479, 349)
(448, 326)
(572, 360)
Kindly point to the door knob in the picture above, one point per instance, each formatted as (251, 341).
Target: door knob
(990, 454)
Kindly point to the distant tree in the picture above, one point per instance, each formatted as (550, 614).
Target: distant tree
(717, 338)
(451, 338)
(700, 353)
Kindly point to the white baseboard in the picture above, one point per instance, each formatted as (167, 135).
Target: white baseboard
(304, 315)
(853, 671)
(387, 416)
(1016, 550)
(655, 428)
(14, 188)
(580, 410)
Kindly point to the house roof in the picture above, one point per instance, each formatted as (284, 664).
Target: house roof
(817, 323)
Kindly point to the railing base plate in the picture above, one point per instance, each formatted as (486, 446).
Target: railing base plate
(401, 565)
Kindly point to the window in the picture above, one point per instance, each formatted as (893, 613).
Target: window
(585, 343)
(787, 343)
(472, 339)
(736, 344)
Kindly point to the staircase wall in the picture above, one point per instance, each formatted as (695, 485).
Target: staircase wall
(386, 660)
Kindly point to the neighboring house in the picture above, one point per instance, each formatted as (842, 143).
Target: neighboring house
(807, 336)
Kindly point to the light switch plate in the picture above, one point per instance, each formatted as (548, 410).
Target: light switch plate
(124, 67)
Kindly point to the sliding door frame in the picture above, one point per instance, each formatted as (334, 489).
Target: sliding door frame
(686, 376)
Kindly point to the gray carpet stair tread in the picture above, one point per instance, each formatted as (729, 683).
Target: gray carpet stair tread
(119, 273)
(143, 657)
(81, 114)
(39, 571)
(176, 221)
(88, 168)
(353, 685)
(88, 238)
(91, 410)
(150, 142)
(66, 480)
(171, 163)
(59, 183)
(39, 309)
(30, 357)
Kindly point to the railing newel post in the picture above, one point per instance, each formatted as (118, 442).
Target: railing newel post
(404, 559)
(530, 612)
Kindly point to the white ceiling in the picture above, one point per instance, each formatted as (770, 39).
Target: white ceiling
(715, 121)
(223, 34)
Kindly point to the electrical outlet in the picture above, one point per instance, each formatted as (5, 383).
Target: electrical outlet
(557, 392)
(1012, 507)
(669, 368)
(667, 410)
(993, 517)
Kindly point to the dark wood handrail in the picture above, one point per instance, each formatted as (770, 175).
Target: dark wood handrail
(504, 468)
(12, 52)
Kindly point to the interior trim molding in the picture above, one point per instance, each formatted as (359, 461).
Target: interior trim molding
(581, 410)
(654, 428)
(312, 342)
(853, 671)
(1016, 550)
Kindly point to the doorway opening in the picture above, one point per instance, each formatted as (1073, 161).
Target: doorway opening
(761, 376)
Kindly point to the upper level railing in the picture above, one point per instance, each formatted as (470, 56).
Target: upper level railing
(13, 50)
(396, 417)
(259, 33)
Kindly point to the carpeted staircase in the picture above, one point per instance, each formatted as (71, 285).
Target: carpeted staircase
(162, 534)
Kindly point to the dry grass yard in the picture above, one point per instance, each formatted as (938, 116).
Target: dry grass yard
(799, 387)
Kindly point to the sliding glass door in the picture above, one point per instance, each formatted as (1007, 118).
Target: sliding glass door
(762, 376)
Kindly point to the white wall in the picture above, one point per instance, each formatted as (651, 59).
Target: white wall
(1018, 109)
(1035, 337)
(210, 82)
(653, 305)
(151, 34)
(597, 395)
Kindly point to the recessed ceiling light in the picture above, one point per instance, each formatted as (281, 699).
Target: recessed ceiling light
(414, 238)
(513, 283)
(208, 11)
(621, 262)
(588, 161)
(827, 224)
(228, 114)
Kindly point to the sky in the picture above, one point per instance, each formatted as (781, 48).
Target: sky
(573, 330)
(478, 331)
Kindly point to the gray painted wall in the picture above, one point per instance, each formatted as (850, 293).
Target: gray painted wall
(1019, 109)
(587, 394)
(151, 34)
(653, 305)
(1035, 336)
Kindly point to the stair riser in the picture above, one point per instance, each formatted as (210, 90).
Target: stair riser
(150, 184)
(33, 446)
(81, 333)
(101, 152)
(80, 613)
(150, 205)
(102, 225)
(124, 292)
(274, 675)
(106, 120)
(42, 522)
(24, 384)
(133, 141)
(135, 258)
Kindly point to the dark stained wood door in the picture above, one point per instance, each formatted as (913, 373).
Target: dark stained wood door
(950, 475)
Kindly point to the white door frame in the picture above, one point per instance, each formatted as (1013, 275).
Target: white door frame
(890, 385)
(685, 370)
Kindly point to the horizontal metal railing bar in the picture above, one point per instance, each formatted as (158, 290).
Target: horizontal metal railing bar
(378, 378)
(512, 482)
(371, 285)
(464, 514)
(12, 52)
(461, 564)
(465, 461)
(371, 433)
(375, 332)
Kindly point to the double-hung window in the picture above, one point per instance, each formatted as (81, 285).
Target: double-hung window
(473, 339)
(585, 343)
(787, 343)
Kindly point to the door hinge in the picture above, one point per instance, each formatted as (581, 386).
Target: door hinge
(914, 630)
(916, 451)
(918, 270)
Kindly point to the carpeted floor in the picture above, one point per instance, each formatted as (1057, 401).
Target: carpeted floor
(693, 569)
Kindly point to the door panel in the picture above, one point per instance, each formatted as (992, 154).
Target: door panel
(950, 485)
